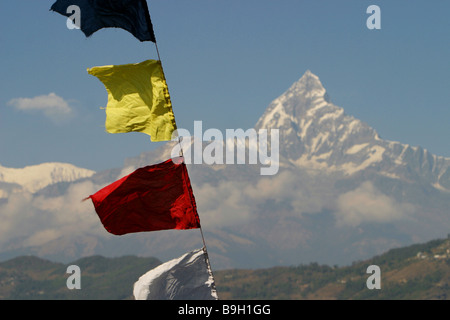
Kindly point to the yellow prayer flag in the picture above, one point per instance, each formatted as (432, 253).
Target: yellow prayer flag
(138, 99)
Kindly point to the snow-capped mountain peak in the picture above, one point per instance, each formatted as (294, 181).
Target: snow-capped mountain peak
(309, 85)
(311, 127)
(305, 95)
(35, 177)
(315, 134)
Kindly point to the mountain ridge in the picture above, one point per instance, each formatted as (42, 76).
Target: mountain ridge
(339, 142)
(341, 194)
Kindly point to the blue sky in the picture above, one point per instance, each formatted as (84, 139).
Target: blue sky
(224, 61)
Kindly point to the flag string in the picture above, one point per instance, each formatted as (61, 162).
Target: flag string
(186, 171)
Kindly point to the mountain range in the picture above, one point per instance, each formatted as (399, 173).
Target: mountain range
(342, 193)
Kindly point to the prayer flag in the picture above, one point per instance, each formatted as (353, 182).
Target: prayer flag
(130, 15)
(188, 277)
(156, 197)
(138, 99)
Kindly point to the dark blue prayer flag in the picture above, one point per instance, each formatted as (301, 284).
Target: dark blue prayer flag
(130, 15)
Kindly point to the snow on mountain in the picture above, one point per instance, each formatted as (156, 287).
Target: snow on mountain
(36, 177)
(315, 134)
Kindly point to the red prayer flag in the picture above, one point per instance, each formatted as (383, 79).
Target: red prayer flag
(156, 197)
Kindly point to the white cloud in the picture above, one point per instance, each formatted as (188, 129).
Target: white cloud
(222, 205)
(368, 204)
(236, 202)
(36, 220)
(53, 106)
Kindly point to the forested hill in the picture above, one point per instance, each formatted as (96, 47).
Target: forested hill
(420, 271)
(417, 272)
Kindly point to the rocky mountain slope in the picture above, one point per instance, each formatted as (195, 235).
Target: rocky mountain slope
(317, 135)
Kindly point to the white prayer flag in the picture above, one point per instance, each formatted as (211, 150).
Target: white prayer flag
(188, 277)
